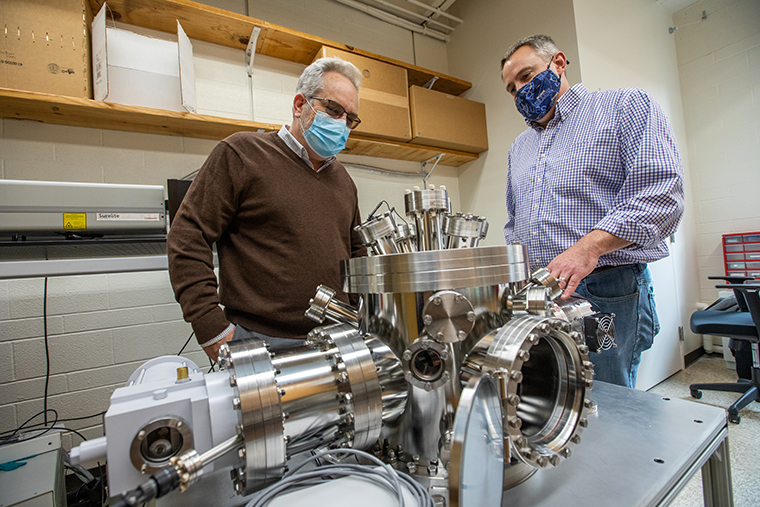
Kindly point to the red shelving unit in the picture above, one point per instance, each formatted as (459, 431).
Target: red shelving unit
(741, 254)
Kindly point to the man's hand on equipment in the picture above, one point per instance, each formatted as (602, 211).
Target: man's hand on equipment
(212, 351)
(578, 261)
(572, 266)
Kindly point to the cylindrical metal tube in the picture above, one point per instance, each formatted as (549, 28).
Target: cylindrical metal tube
(463, 231)
(325, 305)
(220, 450)
(406, 238)
(426, 206)
(378, 233)
(311, 405)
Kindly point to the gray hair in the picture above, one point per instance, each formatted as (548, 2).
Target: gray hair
(541, 44)
(310, 82)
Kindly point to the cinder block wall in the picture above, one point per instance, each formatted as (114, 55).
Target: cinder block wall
(102, 327)
(719, 68)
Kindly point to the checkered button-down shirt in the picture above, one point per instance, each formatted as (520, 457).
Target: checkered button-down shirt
(607, 160)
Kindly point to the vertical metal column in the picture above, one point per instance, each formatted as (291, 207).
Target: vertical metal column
(716, 478)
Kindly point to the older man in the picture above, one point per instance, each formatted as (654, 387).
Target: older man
(281, 210)
(594, 187)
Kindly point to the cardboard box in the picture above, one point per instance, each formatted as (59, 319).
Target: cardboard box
(383, 96)
(46, 47)
(447, 121)
(136, 70)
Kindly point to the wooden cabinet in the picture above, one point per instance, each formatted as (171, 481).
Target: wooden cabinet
(229, 29)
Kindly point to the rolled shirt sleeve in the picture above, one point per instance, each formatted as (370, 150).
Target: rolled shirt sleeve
(650, 203)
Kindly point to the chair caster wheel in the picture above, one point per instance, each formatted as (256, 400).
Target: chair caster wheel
(696, 394)
(736, 419)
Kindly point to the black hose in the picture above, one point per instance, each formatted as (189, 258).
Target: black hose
(161, 483)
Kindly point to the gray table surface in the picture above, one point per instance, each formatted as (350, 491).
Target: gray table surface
(615, 464)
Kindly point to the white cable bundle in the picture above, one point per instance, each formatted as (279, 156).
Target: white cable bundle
(383, 475)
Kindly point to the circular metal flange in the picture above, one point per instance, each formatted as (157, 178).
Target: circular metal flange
(547, 377)
(425, 200)
(365, 400)
(427, 364)
(463, 230)
(258, 399)
(533, 300)
(435, 270)
(476, 467)
(157, 442)
(319, 303)
(542, 277)
(390, 374)
(448, 316)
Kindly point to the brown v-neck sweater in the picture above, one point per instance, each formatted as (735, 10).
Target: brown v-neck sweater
(280, 228)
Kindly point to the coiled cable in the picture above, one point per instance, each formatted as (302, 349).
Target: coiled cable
(383, 475)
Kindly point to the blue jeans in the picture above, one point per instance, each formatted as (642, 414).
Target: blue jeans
(627, 292)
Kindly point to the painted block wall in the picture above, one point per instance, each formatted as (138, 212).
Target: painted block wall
(719, 67)
(102, 327)
(591, 35)
(644, 56)
(475, 51)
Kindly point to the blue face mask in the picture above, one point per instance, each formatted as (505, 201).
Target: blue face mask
(326, 136)
(535, 99)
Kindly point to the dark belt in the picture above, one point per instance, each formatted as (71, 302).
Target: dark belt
(602, 269)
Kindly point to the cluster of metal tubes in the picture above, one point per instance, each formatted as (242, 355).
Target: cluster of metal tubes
(432, 227)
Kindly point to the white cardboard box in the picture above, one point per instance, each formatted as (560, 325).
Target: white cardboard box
(132, 69)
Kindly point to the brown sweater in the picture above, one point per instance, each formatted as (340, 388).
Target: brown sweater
(280, 228)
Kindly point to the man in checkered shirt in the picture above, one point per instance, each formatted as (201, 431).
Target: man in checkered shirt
(595, 185)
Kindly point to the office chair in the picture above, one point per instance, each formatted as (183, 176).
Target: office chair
(741, 325)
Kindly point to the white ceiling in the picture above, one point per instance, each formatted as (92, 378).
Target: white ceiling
(674, 6)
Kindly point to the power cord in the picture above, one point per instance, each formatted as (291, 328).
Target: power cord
(45, 429)
(47, 351)
(185, 345)
(10, 438)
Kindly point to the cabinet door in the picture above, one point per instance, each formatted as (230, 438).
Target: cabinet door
(666, 355)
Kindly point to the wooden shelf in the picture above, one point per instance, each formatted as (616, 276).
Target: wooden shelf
(229, 29)
(57, 109)
(218, 26)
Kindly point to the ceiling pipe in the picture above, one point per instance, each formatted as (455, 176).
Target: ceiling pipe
(395, 20)
(436, 10)
(442, 5)
(424, 18)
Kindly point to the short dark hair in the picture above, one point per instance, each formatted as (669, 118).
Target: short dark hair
(541, 44)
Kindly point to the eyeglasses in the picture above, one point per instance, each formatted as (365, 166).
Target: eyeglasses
(337, 111)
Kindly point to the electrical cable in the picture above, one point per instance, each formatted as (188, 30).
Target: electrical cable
(8, 439)
(57, 420)
(185, 345)
(383, 475)
(378, 207)
(83, 417)
(69, 430)
(47, 350)
(45, 429)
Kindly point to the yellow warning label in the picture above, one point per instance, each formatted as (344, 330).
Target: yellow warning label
(74, 221)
